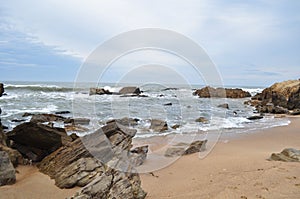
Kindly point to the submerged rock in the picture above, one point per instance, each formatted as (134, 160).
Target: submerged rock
(208, 92)
(158, 125)
(287, 155)
(7, 171)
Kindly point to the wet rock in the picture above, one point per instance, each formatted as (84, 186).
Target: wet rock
(125, 121)
(138, 155)
(255, 117)
(223, 106)
(202, 120)
(287, 155)
(168, 104)
(158, 125)
(41, 118)
(77, 121)
(186, 149)
(195, 147)
(208, 92)
(76, 128)
(18, 120)
(1, 89)
(130, 90)
(176, 126)
(62, 112)
(7, 171)
(99, 91)
(35, 140)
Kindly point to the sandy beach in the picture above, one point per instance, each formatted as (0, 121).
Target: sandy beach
(237, 168)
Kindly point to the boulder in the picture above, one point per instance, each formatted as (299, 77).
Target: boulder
(99, 91)
(125, 121)
(287, 155)
(283, 96)
(202, 120)
(208, 92)
(130, 90)
(138, 155)
(158, 125)
(186, 149)
(175, 126)
(1, 89)
(7, 171)
(224, 106)
(255, 117)
(35, 140)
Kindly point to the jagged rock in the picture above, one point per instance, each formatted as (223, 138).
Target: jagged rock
(287, 155)
(223, 106)
(283, 95)
(99, 91)
(186, 149)
(41, 118)
(125, 121)
(202, 120)
(255, 117)
(35, 140)
(158, 125)
(7, 171)
(138, 155)
(130, 90)
(1, 89)
(208, 92)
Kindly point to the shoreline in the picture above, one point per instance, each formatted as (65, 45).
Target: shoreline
(235, 169)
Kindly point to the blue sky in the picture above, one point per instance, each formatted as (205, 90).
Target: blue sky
(251, 42)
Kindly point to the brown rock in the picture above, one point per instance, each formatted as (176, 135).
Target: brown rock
(138, 155)
(186, 149)
(202, 120)
(130, 90)
(224, 106)
(99, 91)
(208, 92)
(7, 171)
(41, 118)
(158, 125)
(287, 155)
(125, 121)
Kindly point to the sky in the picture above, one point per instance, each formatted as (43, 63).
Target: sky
(251, 43)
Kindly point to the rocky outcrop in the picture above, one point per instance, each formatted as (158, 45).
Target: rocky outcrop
(208, 92)
(130, 90)
(287, 155)
(7, 171)
(1, 89)
(186, 149)
(99, 91)
(101, 162)
(279, 98)
(158, 125)
(35, 141)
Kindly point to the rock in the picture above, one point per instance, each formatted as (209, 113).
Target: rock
(158, 125)
(18, 120)
(255, 117)
(287, 155)
(138, 155)
(202, 120)
(125, 121)
(130, 90)
(186, 149)
(168, 104)
(35, 140)
(208, 92)
(1, 89)
(14, 155)
(295, 112)
(62, 112)
(99, 91)
(283, 95)
(7, 171)
(170, 89)
(41, 118)
(76, 128)
(77, 121)
(27, 114)
(176, 126)
(224, 106)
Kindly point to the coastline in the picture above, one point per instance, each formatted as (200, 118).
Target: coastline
(237, 168)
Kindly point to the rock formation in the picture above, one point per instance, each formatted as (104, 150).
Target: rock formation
(208, 92)
(279, 98)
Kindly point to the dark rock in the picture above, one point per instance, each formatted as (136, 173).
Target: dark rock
(41, 118)
(7, 171)
(1, 89)
(287, 155)
(208, 92)
(202, 120)
(176, 126)
(35, 140)
(168, 104)
(62, 112)
(130, 90)
(170, 89)
(224, 106)
(77, 121)
(186, 149)
(125, 121)
(295, 112)
(255, 117)
(99, 91)
(138, 155)
(158, 125)
(18, 120)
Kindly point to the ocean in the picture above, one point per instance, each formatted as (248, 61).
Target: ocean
(176, 105)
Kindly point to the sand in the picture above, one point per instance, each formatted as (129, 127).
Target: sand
(235, 168)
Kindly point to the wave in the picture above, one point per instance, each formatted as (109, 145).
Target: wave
(37, 87)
